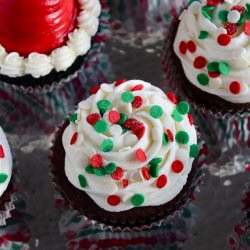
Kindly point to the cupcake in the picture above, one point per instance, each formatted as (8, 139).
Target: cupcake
(126, 157)
(212, 43)
(45, 42)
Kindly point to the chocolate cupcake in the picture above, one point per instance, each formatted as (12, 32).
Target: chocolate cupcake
(126, 157)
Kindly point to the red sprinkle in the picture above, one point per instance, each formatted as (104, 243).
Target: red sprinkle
(246, 28)
(172, 97)
(161, 181)
(191, 46)
(231, 28)
(119, 82)
(183, 47)
(190, 118)
(177, 166)
(235, 87)
(238, 8)
(1, 152)
(170, 135)
(145, 173)
(96, 161)
(93, 118)
(118, 174)
(113, 200)
(131, 123)
(213, 2)
(213, 74)
(94, 89)
(141, 156)
(137, 87)
(200, 62)
(73, 138)
(223, 39)
(137, 102)
(114, 116)
(124, 183)
(140, 132)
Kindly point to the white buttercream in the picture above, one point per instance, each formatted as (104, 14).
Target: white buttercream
(12, 65)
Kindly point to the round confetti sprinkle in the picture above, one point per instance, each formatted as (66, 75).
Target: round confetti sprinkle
(73, 118)
(213, 67)
(203, 79)
(177, 166)
(183, 108)
(101, 126)
(194, 150)
(145, 173)
(172, 97)
(123, 118)
(3, 177)
(107, 145)
(127, 97)
(170, 135)
(89, 169)
(223, 39)
(203, 34)
(2, 155)
(155, 161)
(140, 131)
(140, 155)
(177, 116)
(235, 87)
(183, 47)
(104, 105)
(93, 118)
(110, 168)
(233, 16)
(113, 200)
(191, 46)
(99, 171)
(137, 200)
(154, 170)
(200, 62)
(94, 89)
(118, 174)
(82, 181)
(222, 15)
(119, 82)
(231, 28)
(114, 116)
(213, 3)
(124, 183)
(213, 74)
(239, 8)
(96, 161)
(190, 118)
(137, 87)
(156, 111)
(132, 124)
(137, 102)
(182, 137)
(246, 28)
(164, 139)
(161, 181)
(224, 68)
(73, 138)
(115, 130)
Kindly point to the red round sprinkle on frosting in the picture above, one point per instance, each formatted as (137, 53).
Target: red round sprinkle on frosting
(177, 166)
(200, 62)
(172, 97)
(73, 138)
(170, 135)
(140, 131)
(246, 28)
(213, 2)
(119, 82)
(238, 8)
(140, 154)
(137, 102)
(96, 161)
(223, 39)
(137, 87)
(94, 89)
(145, 173)
(161, 181)
(183, 47)
(1, 152)
(190, 118)
(131, 123)
(191, 46)
(93, 118)
(235, 87)
(113, 200)
(231, 28)
(114, 116)
(213, 74)
(124, 183)
(118, 174)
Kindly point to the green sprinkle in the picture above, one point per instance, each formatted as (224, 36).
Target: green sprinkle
(164, 139)
(182, 137)
(191, 1)
(3, 177)
(82, 181)
(124, 130)
(203, 34)
(206, 11)
(241, 21)
(156, 111)
(224, 68)
(247, 14)
(203, 79)
(123, 118)
(107, 145)
(104, 105)
(183, 107)
(101, 126)
(110, 168)
(127, 97)
(213, 67)
(99, 171)
(177, 116)
(155, 161)
(137, 200)
(194, 150)
(89, 169)
(222, 15)
(73, 118)
(248, 6)
(154, 170)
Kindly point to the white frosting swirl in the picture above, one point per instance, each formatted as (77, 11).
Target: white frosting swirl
(78, 154)
(79, 42)
(236, 54)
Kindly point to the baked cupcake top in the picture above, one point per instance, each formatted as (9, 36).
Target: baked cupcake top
(5, 162)
(130, 145)
(39, 36)
(213, 44)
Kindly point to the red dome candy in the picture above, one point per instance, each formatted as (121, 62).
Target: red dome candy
(28, 26)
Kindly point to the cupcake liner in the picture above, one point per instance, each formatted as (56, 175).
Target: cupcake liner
(96, 45)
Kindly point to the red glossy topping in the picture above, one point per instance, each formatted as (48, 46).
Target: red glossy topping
(28, 26)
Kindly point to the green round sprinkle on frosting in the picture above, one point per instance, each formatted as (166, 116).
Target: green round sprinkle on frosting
(156, 111)
(89, 169)
(213, 67)
(191, 1)
(73, 118)
(183, 107)
(127, 97)
(82, 181)
(224, 68)
(203, 79)
(104, 105)
(177, 116)
(154, 170)
(155, 161)
(137, 200)
(99, 171)
(182, 137)
(110, 168)
(194, 150)
(101, 126)
(123, 118)
(241, 21)
(107, 145)
(222, 15)
(164, 139)
(203, 34)
(3, 177)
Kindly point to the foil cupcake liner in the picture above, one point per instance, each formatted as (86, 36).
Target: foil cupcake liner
(98, 42)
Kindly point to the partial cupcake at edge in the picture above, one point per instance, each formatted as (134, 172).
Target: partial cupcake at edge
(43, 42)
(212, 43)
(128, 156)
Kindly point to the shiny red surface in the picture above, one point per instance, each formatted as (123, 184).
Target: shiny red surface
(36, 25)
